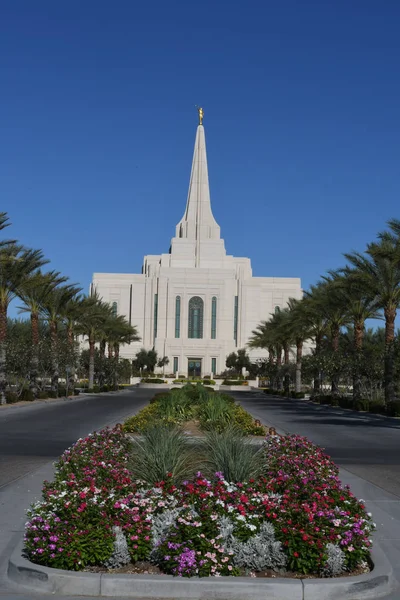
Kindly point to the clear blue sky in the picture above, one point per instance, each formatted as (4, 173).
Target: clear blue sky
(97, 126)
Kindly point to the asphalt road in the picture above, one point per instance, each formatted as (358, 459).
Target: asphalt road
(32, 435)
(366, 445)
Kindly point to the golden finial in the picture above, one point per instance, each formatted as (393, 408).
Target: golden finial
(201, 115)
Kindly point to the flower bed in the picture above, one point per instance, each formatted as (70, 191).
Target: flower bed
(212, 409)
(296, 516)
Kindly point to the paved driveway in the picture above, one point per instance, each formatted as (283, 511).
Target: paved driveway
(364, 444)
(31, 435)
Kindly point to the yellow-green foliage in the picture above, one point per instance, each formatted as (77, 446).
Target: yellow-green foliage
(215, 411)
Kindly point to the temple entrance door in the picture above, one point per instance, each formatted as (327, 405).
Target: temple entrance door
(194, 367)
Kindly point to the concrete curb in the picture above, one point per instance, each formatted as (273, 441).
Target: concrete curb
(376, 584)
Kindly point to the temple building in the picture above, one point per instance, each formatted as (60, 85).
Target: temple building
(195, 304)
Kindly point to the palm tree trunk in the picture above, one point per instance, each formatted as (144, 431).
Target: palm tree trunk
(271, 361)
(91, 361)
(286, 383)
(390, 316)
(3, 338)
(317, 374)
(54, 356)
(358, 342)
(335, 347)
(116, 360)
(71, 373)
(279, 366)
(102, 353)
(299, 357)
(35, 353)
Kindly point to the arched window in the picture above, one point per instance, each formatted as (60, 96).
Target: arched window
(195, 321)
(213, 318)
(177, 316)
(114, 308)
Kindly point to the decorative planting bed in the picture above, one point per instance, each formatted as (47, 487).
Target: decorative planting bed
(221, 506)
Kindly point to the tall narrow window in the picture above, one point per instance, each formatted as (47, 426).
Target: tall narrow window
(178, 316)
(114, 308)
(195, 321)
(213, 366)
(235, 319)
(176, 364)
(213, 318)
(155, 314)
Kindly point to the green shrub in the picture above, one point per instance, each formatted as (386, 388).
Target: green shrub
(325, 399)
(62, 392)
(27, 395)
(76, 392)
(216, 414)
(297, 395)
(161, 395)
(227, 452)
(377, 407)
(345, 402)
(96, 389)
(393, 408)
(12, 397)
(160, 451)
(52, 394)
(152, 380)
(42, 395)
(235, 382)
(361, 405)
(104, 388)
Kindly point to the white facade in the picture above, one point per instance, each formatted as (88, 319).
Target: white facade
(197, 266)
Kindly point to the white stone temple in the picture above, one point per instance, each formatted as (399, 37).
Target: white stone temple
(195, 304)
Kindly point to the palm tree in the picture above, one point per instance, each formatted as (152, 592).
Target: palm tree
(300, 332)
(71, 315)
(118, 331)
(360, 303)
(378, 270)
(4, 218)
(17, 263)
(267, 335)
(53, 310)
(331, 305)
(314, 321)
(37, 288)
(93, 317)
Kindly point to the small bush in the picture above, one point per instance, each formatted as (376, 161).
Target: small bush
(152, 380)
(27, 395)
(393, 408)
(229, 453)
(345, 402)
(377, 407)
(235, 382)
(361, 405)
(161, 451)
(297, 395)
(52, 394)
(12, 398)
(62, 392)
(76, 392)
(104, 388)
(42, 395)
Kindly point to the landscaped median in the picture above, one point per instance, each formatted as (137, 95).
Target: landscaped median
(155, 515)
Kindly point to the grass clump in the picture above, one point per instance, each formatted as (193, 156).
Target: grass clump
(163, 450)
(230, 453)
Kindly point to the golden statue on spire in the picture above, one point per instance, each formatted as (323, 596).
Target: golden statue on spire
(201, 115)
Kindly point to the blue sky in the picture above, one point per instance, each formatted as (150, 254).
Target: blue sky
(97, 126)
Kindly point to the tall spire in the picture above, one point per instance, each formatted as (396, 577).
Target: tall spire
(198, 222)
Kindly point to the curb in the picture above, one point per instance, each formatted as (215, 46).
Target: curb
(376, 584)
